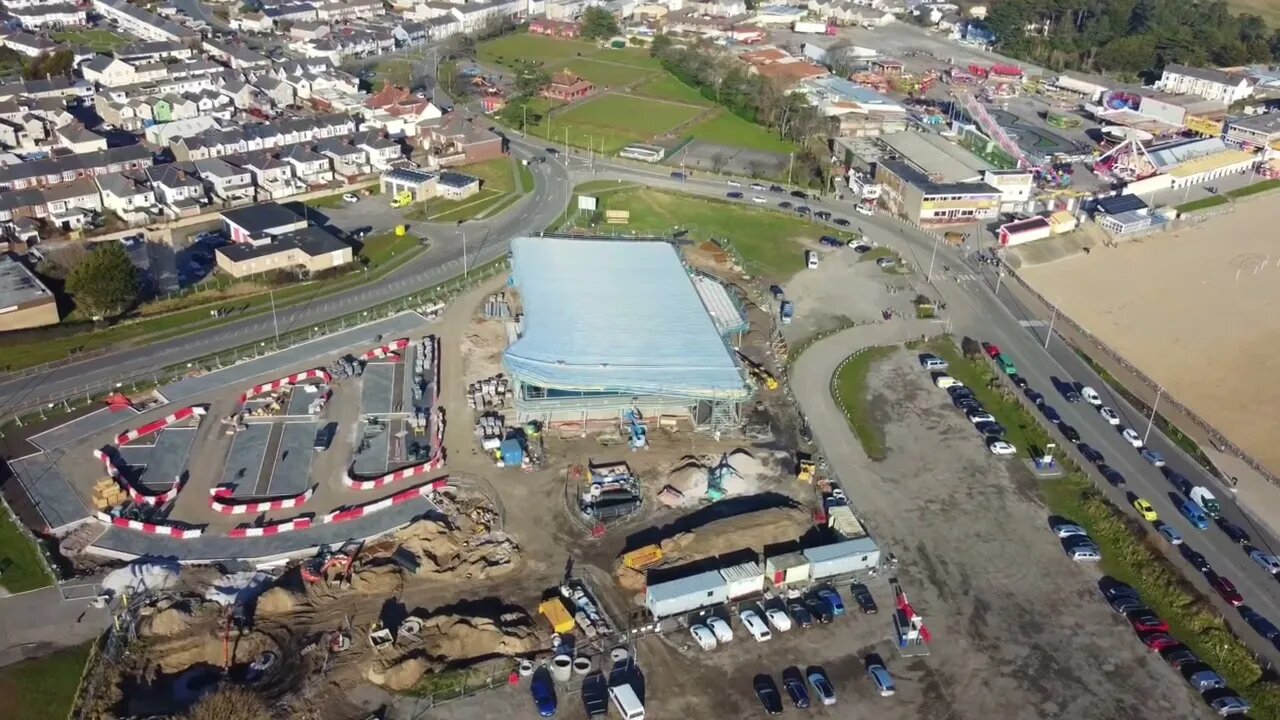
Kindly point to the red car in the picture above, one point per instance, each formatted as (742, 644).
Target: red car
(1158, 641)
(992, 349)
(1144, 621)
(1226, 589)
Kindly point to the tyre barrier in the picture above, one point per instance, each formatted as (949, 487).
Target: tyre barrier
(220, 500)
(135, 494)
(172, 531)
(186, 413)
(341, 516)
(277, 528)
(389, 349)
(431, 465)
(293, 379)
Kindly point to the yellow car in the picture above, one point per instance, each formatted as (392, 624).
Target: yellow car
(1144, 509)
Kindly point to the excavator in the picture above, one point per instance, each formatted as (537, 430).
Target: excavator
(758, 371)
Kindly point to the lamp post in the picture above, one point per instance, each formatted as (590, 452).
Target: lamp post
(1053, 316)
(1152, 420)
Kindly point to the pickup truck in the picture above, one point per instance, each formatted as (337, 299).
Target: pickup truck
(1205, 499)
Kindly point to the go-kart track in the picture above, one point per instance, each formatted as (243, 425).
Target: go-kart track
(284, 440)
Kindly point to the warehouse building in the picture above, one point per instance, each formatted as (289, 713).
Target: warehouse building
(1185, 163)
(25, 302)
(615, 326)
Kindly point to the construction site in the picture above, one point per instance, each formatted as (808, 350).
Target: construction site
(482, 494)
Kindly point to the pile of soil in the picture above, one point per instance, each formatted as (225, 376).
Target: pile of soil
(279, 600)
(168, 623)
(451, 640)
(740, 472)
(444, 555)
(208, 649)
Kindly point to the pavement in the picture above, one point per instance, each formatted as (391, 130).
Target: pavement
(36, 623)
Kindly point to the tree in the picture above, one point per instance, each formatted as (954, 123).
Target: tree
(971, 348)
(662, 42)
(531, 81)
(54, 64)
(105, 284)
(598, 24)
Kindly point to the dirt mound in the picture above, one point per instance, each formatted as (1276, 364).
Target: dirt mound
(401, 676)
(379, 580)
(444, 555)
(738, 472)
(450, 640)
(168, 623)
(278, 601)
(208, 648)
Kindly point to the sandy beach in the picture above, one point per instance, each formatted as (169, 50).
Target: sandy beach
(1196, 310)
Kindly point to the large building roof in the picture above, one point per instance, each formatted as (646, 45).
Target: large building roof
(615, 316)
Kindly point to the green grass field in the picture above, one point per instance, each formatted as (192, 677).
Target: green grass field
(618, 119)
(667, 87)
(394, 72)
(44, 688)
(20, 559)
(514, 50)
(497, 188)
(850, 389)
(770, 242)
(729, 129)
(1202, 204)
(1254, 189)
(608, 74)
(93, 39)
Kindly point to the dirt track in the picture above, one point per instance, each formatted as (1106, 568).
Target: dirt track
(1195, 311)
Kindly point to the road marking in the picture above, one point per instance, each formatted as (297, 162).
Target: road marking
(1031, 323)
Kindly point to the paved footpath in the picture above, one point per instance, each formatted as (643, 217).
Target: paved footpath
(810, 381)
(36, 623)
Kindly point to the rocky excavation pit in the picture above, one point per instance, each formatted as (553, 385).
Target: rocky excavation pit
(448, 640)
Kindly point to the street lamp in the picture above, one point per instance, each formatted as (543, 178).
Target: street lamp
(1151, 420)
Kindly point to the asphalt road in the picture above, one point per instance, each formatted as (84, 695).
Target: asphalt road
(486, 240)
(973, 306)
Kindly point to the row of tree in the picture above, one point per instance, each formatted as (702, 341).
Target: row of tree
(1130, 38)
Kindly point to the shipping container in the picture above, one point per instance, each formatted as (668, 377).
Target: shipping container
(744, 580)
(802, 26)
(686, 594)
(1023, 231)
(842, 558)
(840, 518)
(788, 569)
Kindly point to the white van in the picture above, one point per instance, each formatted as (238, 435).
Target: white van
(811, 259)
(946, 381)
(627, 702)
(935, 363)
(1090, 396)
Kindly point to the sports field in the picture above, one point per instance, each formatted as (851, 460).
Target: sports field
(616, 120)
(667, 87)
(513, 50)
(729, 129)
(606, 74)
(91, 39)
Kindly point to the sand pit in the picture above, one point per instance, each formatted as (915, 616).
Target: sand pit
(1194, 310)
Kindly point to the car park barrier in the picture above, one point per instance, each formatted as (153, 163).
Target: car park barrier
(340, 516)
(284, 526)
(196, 411)
(221, 501)
(389, 349)
(412, 471)
(136, 494)
(173, 531)
(293, 379)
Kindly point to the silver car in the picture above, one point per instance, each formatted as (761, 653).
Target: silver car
(882, 679)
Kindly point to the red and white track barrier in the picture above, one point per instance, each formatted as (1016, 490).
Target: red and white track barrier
(389, 349)
(412, 471)
(293, 379)
(221, 501)
(340, 516)
(136, 494)
(186, 413)
(299, 523)
(152, 528)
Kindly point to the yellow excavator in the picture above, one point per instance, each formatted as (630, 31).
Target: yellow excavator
(758, 371)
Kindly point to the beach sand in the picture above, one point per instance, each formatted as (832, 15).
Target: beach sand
(1196, 310)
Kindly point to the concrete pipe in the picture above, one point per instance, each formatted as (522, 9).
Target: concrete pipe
(526, 668)
(619, 654)
(582, 665)
(561, 668)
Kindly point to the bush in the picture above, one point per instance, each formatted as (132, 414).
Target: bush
(229, 702)
(972, 349)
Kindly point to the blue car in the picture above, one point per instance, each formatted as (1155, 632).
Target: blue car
(544, 692)
(1194, 514)
(833, 601)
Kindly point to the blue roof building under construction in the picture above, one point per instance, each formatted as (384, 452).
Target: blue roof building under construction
(615, 325)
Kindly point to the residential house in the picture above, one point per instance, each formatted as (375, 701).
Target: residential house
(555, 28)
(273, 177)
(253, 22)
(18, 205)
(379, 150)
(108, 71)
(456, 140)
(179, 108)
(476, 16)
(235, 55)
(146, 25)
(24, 43)
(57, 170)
(128, 195)
(51, 16)
(1208, 84)
(178, 188)
(348, 160)
(306, 31)
(225, 183)
(309, 167)
(76, 138)
(280, 94)
(72, 205)
(567, 87)
(349, 9)
(410, 33)
(52, 87)
(310, 249)
(290, 12)
(155, 50)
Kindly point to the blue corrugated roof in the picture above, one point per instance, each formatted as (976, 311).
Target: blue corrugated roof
(615, 316)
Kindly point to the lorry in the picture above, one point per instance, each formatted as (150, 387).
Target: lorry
(813, 28)
(1205, 499)
(402, 199)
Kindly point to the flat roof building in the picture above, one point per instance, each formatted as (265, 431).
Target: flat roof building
(25, 302)
(1257, 131)
(937, 157)
(914, 196)
(311, 248)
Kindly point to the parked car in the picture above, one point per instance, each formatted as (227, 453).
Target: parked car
(1158, 641)
(1144, 509)
(822, 215)
(1110, 415)
(886, 262)
(754, 625)
(977, 416)
(733, 183)
(767, 692)
(863, 597)
(1169, 533)
(833, 600)
(864, 209)
(1145, 620)
(1225, 588)
(1112, 475)
(831, 241)
(1268, 562)
(1091, 454)
(822, 687)
(1084, 552)
(1179, 657)
(819, 609)
(1091, 396)
(1153, 457)
(1132, 437)
(734, 195)
(799, 614)
(1260, 624)
(1050, 414)
(1066, 530)
(881, 678)
(776, 188)
(350, 198)
(991, 429)
(1233, 531)
(758, 187)
(1122, 598)
(794, 685)
(1197, 560)
(841, 221)
(992, 350)
(720, 628)
(778, 619)
(800, 194)
(1019, 382)
(703, 637)
(1228, 705)
(1001, 448)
